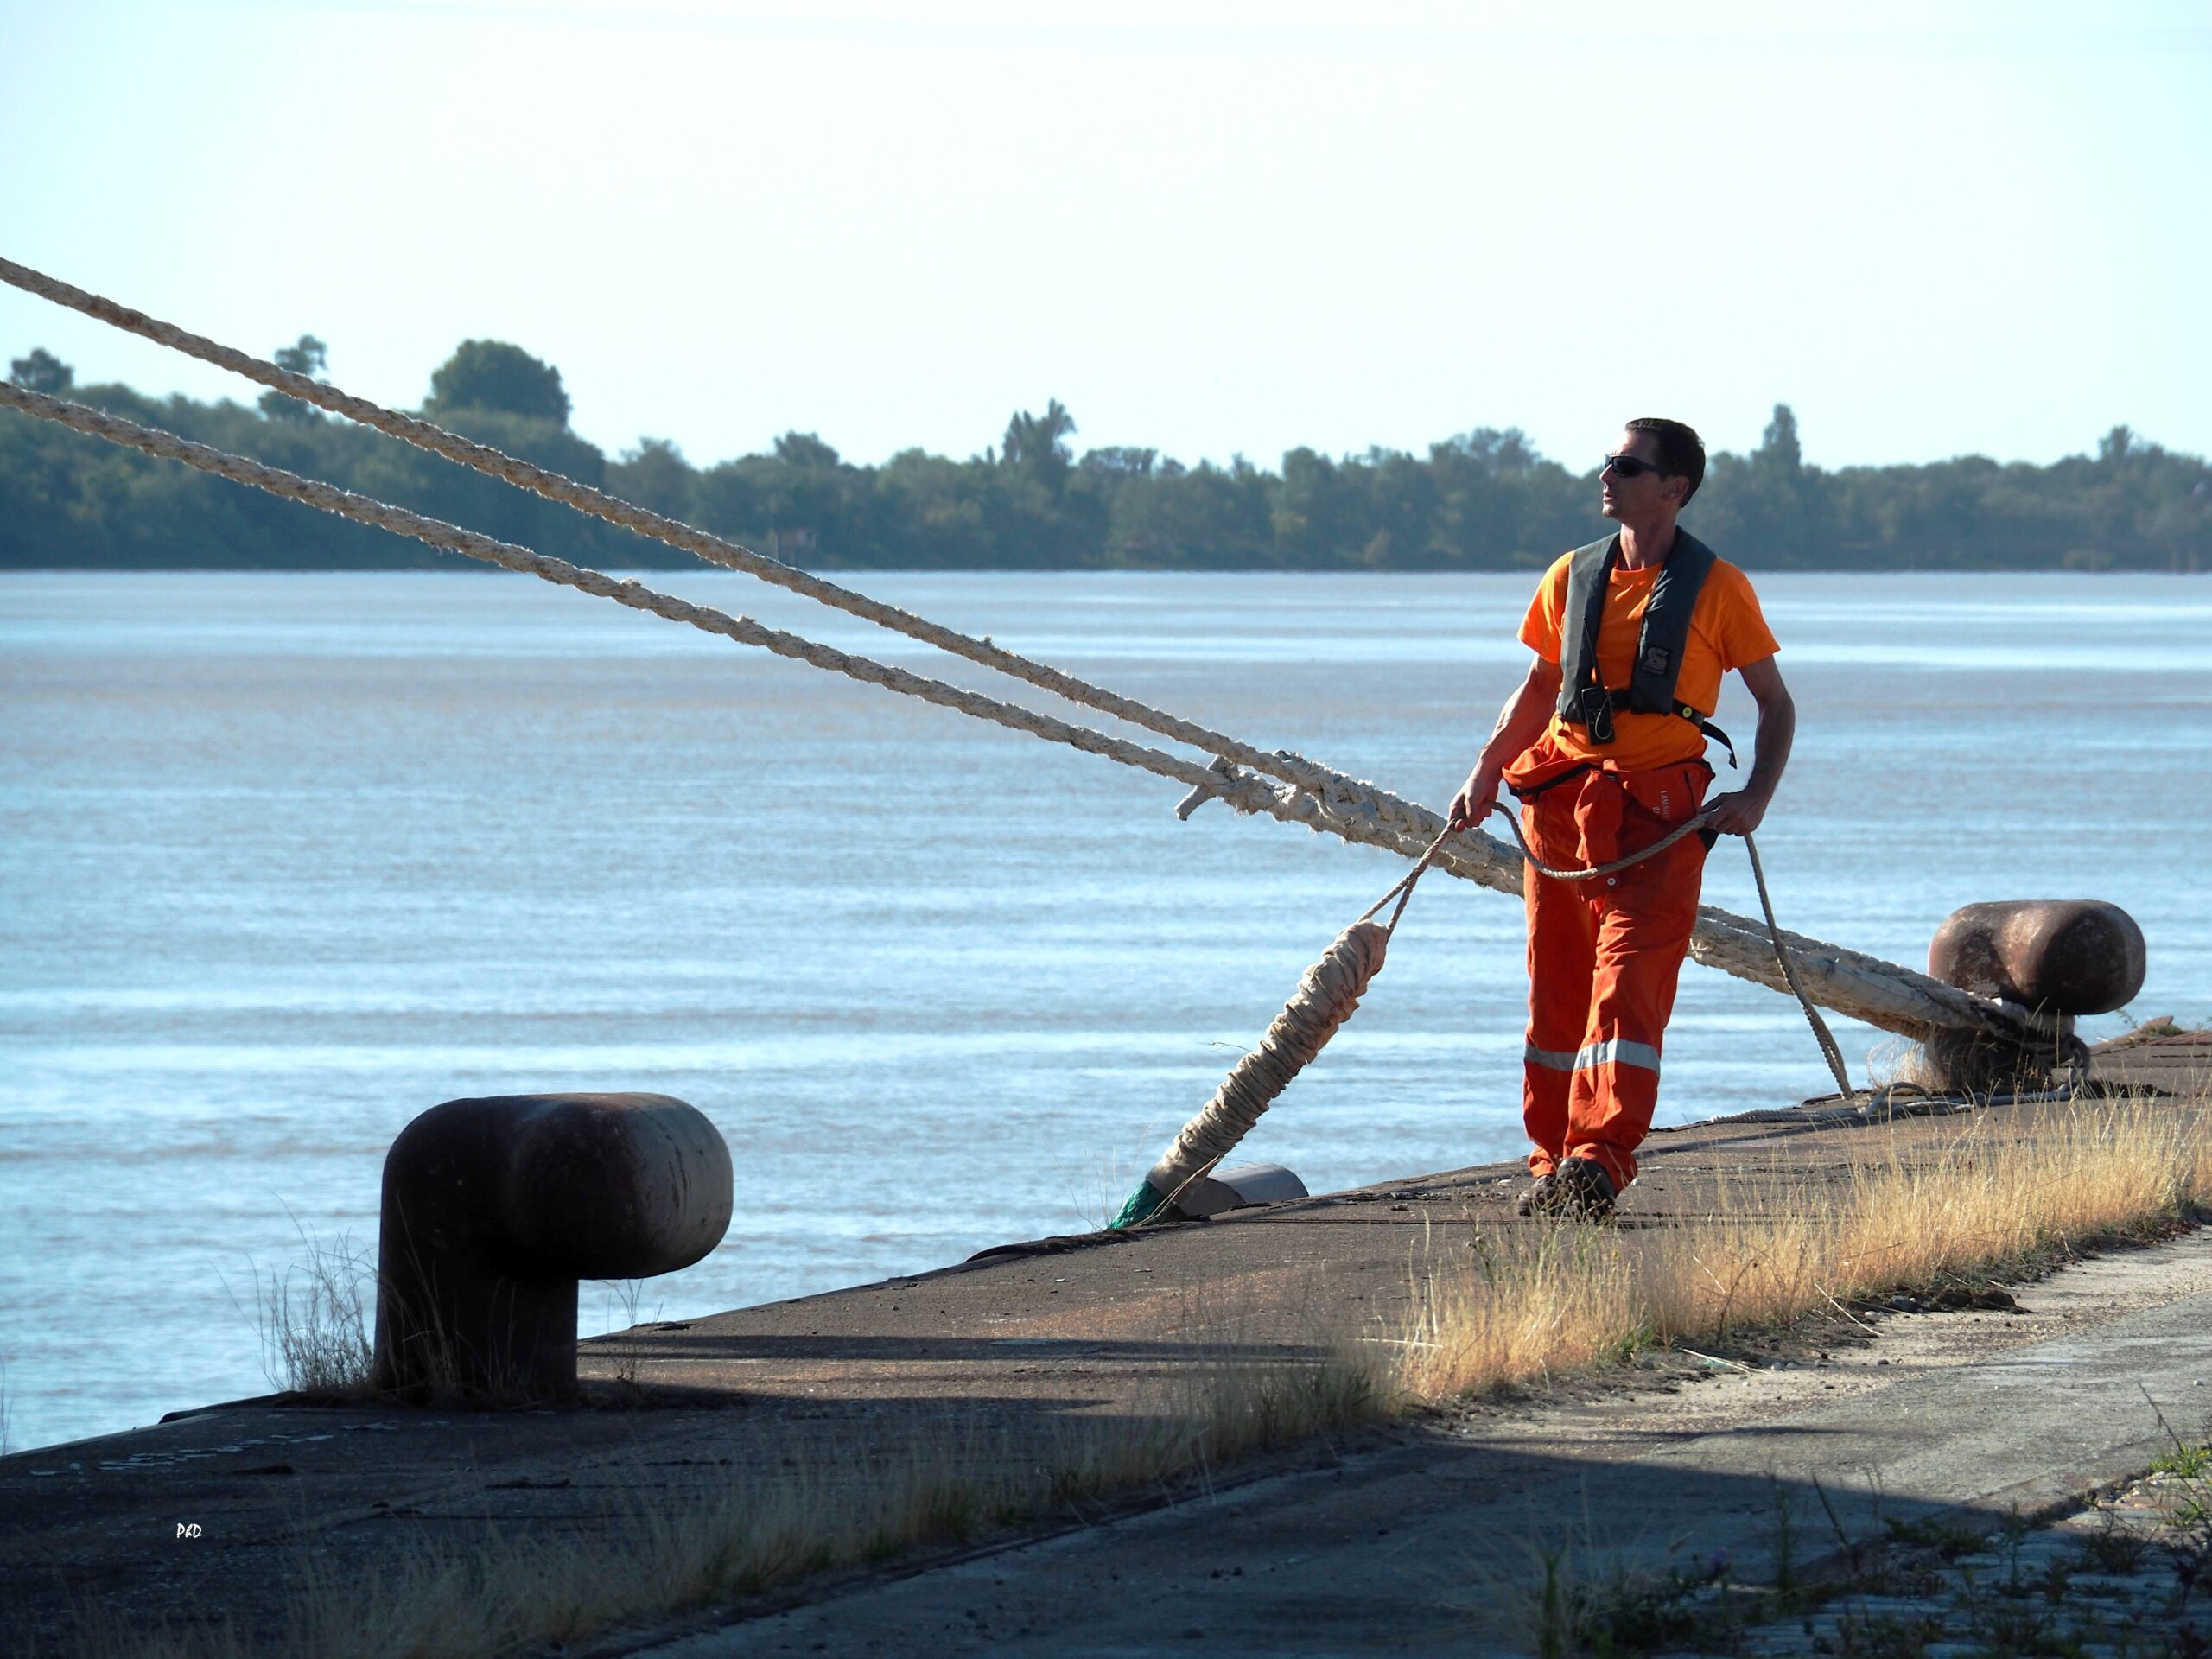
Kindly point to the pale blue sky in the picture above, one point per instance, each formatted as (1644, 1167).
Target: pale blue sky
(1933, 228)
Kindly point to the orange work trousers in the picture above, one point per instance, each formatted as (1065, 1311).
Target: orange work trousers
(1603, 955)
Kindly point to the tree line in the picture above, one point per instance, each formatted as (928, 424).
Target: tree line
(1484, 500)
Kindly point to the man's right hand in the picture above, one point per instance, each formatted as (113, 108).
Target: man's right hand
(1477, 797)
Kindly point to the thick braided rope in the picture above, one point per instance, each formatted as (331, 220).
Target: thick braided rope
(452, 538)
(424, 434)
(1348, 811)
(1327, 993)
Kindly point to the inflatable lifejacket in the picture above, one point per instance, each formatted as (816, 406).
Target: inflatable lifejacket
(1584, 698)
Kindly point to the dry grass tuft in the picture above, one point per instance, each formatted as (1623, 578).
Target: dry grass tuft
(1522, 1305)
(314, 1317)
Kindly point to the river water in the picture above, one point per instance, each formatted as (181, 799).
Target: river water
(290, 858)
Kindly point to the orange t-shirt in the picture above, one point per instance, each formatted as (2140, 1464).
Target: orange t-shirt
(1726, 632)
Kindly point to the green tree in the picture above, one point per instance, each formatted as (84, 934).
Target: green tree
(655, 475)
(804, 449)
(1036, 446)
(492, 375)
(41, 371)
(306, 358)
(1779, 445)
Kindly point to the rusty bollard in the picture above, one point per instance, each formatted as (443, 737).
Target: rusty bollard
(2058, 958)
(494, 1208)
(2055, 956)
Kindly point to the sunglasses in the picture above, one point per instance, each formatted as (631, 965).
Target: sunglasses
(1628, 466)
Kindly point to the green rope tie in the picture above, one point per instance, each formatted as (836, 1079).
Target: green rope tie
(1146, 1204)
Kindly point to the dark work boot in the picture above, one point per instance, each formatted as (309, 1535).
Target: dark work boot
(1541, 1197)
(1583, 1190)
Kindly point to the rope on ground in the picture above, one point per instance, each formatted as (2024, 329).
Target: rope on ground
(556, 487)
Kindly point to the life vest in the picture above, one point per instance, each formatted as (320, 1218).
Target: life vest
(1584, 698)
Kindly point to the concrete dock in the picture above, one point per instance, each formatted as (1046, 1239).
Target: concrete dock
(1412, 1536)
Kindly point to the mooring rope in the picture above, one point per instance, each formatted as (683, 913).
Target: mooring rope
(1327, 993)
(1316, 796)
(452, 538)
(715, 550)
(1345, 811)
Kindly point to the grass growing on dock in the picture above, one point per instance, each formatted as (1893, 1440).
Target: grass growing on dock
(652, 1553)
(1526, 1303)
(314, 1317)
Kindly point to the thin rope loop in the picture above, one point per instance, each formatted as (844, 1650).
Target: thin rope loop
(1830, 1051)
(1688, 826)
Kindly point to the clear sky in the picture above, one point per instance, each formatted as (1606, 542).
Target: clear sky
(1212, 228)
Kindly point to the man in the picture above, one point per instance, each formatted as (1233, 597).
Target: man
(1604, 746)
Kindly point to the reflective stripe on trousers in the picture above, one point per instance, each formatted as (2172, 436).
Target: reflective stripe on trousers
(1613, 1049)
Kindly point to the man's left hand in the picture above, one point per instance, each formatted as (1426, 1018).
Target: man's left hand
(1735, 814)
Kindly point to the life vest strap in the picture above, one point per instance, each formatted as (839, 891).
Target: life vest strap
(1616, 701)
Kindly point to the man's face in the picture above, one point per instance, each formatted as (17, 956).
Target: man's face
(1622, 497)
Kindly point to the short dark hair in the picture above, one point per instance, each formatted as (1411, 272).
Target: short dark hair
(1681, 452)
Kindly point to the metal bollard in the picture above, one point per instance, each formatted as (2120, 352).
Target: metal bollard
(494, 1208)
(2055, 956)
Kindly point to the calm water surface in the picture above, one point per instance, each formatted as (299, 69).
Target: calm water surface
(290, 858)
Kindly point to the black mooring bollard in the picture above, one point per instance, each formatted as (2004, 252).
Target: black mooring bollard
(2060, 959)
(2055, 956)
(494, 1208)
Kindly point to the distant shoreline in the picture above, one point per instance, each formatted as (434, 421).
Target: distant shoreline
(1482, 501)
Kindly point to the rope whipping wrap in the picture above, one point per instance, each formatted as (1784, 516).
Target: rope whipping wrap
(1327, 993)
(556, 487)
